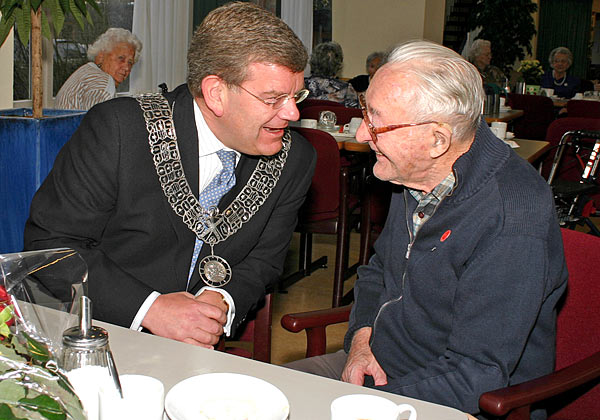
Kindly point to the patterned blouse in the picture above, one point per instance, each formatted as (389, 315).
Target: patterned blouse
(86, 87)
(331, 89)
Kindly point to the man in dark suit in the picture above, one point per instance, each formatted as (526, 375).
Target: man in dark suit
(127, 190)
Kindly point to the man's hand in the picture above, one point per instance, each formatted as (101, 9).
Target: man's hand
(183, 317)
(361, 361)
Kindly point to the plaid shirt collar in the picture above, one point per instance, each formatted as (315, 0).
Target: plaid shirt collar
(428, 202)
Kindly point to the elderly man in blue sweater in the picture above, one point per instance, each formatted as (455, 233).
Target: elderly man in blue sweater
(460, 296)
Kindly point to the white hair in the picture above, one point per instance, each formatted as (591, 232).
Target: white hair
(446, 87)
(109, 39)
(477, 48)
(560, 50)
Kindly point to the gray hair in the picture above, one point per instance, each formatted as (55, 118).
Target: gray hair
(374, 55)
(561, 50)
(327, 59)
(446, 87)
(109, 39)
(477, 48)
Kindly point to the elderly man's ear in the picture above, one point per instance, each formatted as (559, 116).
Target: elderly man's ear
(214, 92)
(442, 136)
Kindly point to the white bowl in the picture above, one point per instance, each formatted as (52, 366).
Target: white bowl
(226, 396)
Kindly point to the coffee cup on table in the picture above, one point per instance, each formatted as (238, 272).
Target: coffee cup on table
(502, 102)
(500, 129)
(352, 126)
(363, 406)
(549, 92)
(308, 123)
(143, 398)
(578, 96)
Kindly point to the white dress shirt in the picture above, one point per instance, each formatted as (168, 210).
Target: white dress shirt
(209, 166)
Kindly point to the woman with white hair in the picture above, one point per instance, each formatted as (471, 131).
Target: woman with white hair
(480, 55)
(564, 85)
(111, 57)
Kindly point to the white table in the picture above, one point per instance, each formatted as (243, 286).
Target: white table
(309, 396)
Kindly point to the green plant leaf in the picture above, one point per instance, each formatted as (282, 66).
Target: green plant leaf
(35, 4)
(37, 350)
(44, 405)
(64, 5)
(81, 6)
(7, 414)
(7, 8)
(58, 16)
(5, 27)
(23, 21)
(6, 314)
(11, 391)
(95, 5)
(46, 33)
(76, 13)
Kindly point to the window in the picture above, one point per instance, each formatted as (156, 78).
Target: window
(70, 47)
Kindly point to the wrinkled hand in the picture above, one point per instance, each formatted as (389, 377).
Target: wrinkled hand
(180, 316)
(361, 361)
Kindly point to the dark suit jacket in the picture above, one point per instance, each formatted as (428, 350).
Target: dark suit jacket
(103, 199)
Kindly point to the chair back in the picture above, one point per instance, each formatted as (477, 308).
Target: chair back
(343, 114)
(539, 113)
(323, 198)
(317, 102)
(253, 339)
(583, 109)
(578, 323)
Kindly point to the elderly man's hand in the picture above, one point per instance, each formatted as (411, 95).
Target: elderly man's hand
(183, 317)
(361, 361)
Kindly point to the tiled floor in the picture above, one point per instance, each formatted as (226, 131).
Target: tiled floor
(310, 293)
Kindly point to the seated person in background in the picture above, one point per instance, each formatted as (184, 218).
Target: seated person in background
(374, 61)
(460, 296)
(564, 85)
(326, 62)
(111, 57)
(160, 256)
(480, 55)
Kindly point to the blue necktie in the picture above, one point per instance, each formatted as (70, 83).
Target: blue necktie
(211, 195)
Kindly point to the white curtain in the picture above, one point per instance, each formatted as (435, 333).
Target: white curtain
(164, 29)
(298, 14)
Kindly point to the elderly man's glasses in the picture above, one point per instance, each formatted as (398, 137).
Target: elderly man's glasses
(380, 130)
(280, 101)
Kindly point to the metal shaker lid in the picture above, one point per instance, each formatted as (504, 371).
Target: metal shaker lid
(84, 336)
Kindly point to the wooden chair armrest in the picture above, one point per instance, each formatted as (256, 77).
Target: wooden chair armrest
(502, 401)
(315, 322)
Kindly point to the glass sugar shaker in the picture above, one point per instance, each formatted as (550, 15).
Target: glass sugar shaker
(86, 346)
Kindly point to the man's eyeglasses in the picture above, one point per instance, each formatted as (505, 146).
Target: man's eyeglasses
(280, 101)
(380, 130)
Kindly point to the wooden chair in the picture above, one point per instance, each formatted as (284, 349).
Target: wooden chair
(583, 109)
(328, 210)
(343, 114)
(539, 113)
(572, 391)
(253, 340)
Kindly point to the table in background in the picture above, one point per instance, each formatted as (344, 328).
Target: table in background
(531, 150)
(309, 396)
(504, 116)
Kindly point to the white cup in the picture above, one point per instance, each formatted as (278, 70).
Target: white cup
(578, 96)
(502, 102)
(362, 406)
(501, 126)
(143, 398)
(308, 123)
(352, 126)
(549, 92)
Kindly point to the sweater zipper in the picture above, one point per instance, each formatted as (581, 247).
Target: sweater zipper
(412, 239)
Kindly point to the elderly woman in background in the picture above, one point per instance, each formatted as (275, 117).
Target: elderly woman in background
(375, 60)
(564, 85)
(111, 57)
(480, 55)
(326, 62)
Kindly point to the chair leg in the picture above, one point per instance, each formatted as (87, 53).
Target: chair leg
(341, 264)
(305, 266)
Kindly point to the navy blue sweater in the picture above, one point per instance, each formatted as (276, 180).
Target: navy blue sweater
(472, 308)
